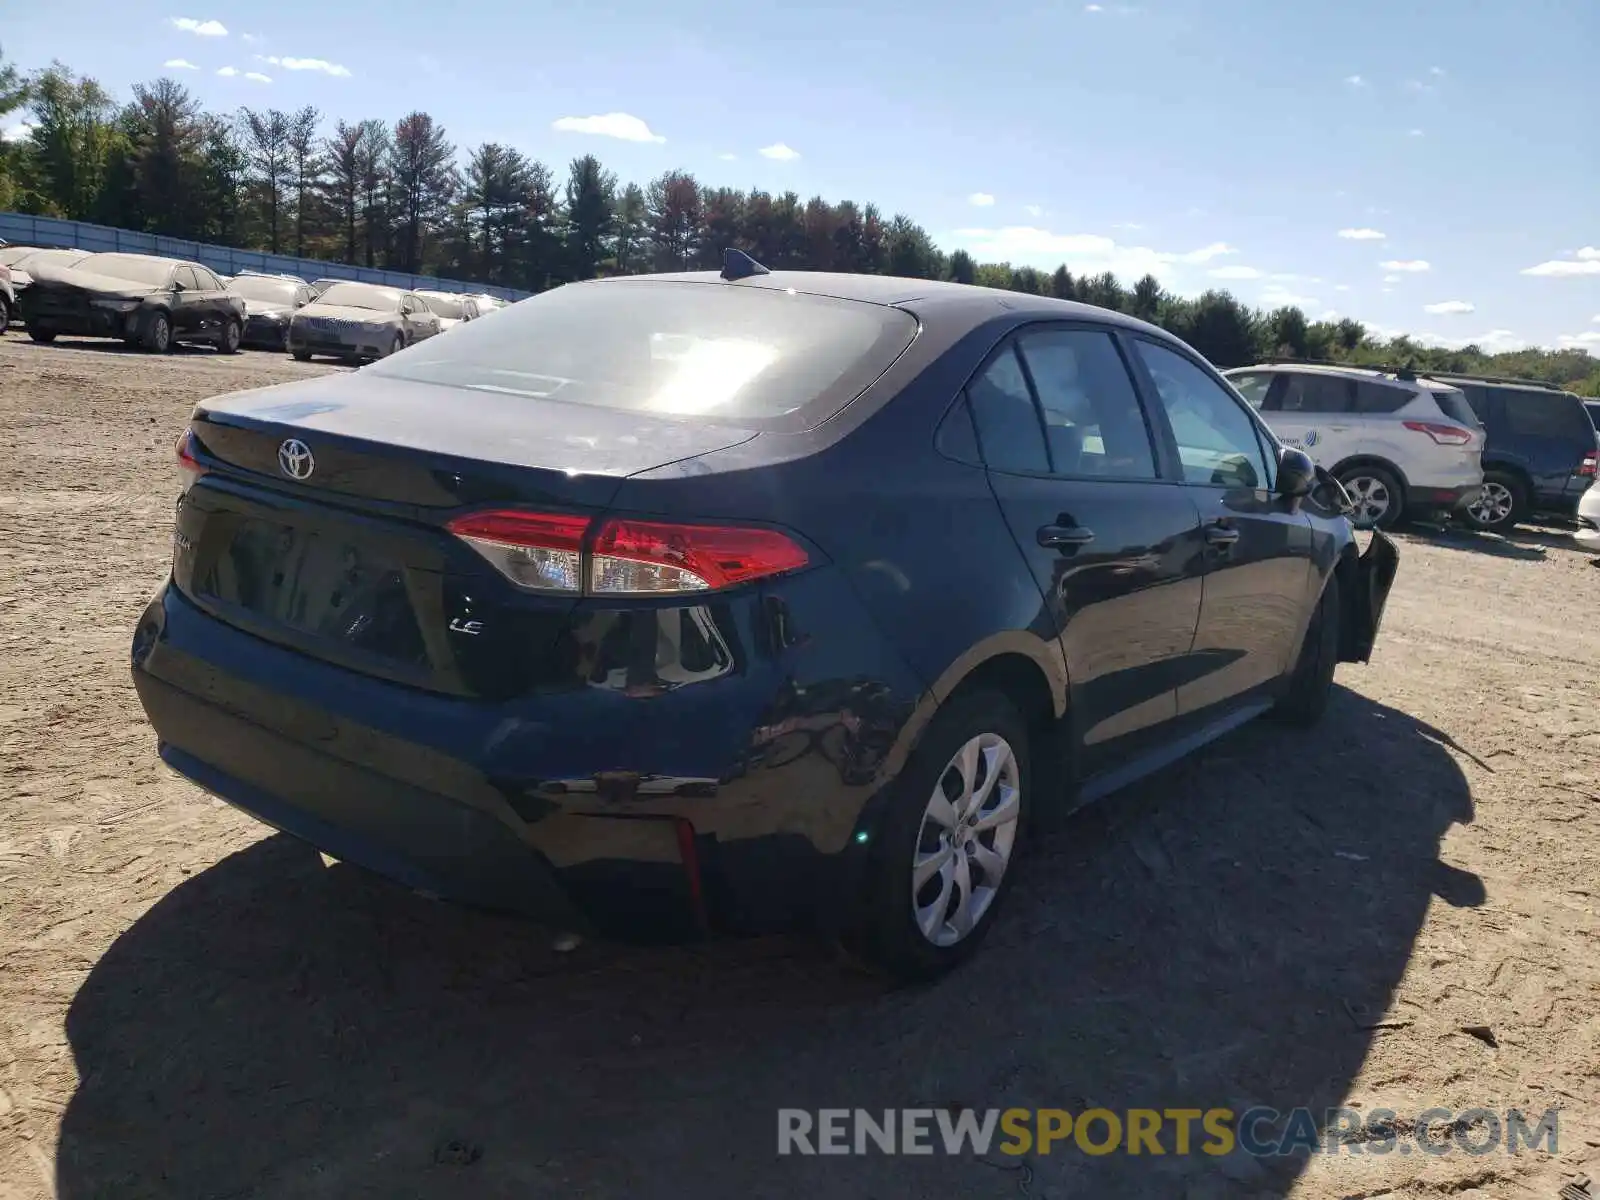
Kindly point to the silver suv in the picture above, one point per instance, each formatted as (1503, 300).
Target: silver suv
(1401, 444)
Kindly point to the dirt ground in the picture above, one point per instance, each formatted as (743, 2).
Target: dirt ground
(193, 1007)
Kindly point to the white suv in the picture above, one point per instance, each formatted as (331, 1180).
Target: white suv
(1400, 444)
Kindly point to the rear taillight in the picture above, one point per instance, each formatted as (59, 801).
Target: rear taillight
(1445, 435)
(542, 552)
(189, 468)
(623, 557)
(1587, 466)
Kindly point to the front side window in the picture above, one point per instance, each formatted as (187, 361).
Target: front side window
(1093, 424)
(1317, 394)
(207, 281)
(1217, 440)
(1253, 387)
(184, 278)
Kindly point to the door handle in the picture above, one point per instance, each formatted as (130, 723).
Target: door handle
(1064, 537)
(1221, 535)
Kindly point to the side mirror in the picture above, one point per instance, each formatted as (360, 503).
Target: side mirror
(177, 285)
(1297, 474)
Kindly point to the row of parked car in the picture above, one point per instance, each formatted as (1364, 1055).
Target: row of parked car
(1491, 451)
(153, 302)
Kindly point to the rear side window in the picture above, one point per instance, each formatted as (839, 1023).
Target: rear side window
(718, 351)
(207, 281)
(1007, 421)
(1317, 394)
(1381, 398)
(1454, 405)
(1093, 424)
(1545, 414)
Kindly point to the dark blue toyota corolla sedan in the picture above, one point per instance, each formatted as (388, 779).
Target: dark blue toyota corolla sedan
(703, 602)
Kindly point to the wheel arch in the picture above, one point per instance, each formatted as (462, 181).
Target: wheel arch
(1372, 460)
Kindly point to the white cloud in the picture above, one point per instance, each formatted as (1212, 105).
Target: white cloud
(1092, 8)
(1355, 81)
(1585, 262)
(1450, 307)
(728, 157)
(1328, 314)
(780, 152)
(1341, 287)
(1416, 85)
(1597, 319)
(1392, 279)
(1033, 210)
(981, 200)
(1412, 265)
(180, 64)
(1362, 235)
(1280, 297)
(201, 28)
(252, 38)
(1579, 341)
(1436, 72)
(1291, 277)
(307, 64)
(1234, 272)
(257, 77)
(1130, 225)
(1084, 253)
(16, 131)
(1414, 133)
(227, 72)
(1495, 341)
(616, 125)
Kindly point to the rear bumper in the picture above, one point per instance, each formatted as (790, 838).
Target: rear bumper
(443, 795)
(1588, 534)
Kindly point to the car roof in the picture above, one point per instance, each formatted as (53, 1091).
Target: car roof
(1387, 376)
(1520, 385)
(955, 300)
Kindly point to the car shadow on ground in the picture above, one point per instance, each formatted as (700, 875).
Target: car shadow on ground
(1208, 938)
(1520, 544)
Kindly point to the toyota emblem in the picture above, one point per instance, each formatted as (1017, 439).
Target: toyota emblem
(294, 459)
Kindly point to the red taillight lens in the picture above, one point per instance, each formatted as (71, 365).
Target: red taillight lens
(647, 558)
(542, 552)
(189, 468)
(1587, 466)
(545, 552)
(1445, 435)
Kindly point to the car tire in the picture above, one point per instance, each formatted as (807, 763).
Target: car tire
(912, 933)
(1376, 494)
(232, 335)
(288, 349)
(397, 345)
(155, 336)
(43, 336)
(1310, 683)
(301, 355)
(1500, 504)
(5, 315)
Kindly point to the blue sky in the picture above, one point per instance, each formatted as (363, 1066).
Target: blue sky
(1285, 149)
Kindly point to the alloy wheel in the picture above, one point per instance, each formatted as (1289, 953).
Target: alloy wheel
(964, 845)
(1492, 505)
(1371, 499)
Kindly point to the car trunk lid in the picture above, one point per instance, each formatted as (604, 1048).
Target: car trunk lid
(318, 521)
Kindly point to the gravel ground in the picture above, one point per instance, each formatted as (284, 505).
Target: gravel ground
(193, 1007)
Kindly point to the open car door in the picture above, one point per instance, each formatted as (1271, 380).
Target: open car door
(1374, 577)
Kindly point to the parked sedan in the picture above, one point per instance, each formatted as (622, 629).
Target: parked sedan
(694, 603)
(269, 302)
(146, 301)
(21, 261)
(360, 321)
(450, 308)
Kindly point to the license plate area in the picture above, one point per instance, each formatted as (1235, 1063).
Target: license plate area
(315, 582)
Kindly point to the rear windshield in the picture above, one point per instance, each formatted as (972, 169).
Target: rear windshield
(1453, 404)
(444, 306)
(134, 267)
(719, 351)
(361, 295)
(260, 287)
